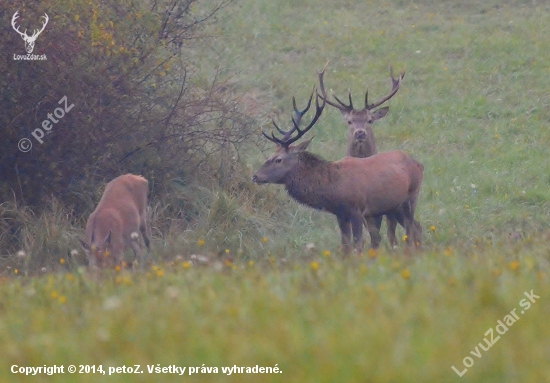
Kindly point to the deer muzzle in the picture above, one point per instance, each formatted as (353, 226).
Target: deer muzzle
(360, 134)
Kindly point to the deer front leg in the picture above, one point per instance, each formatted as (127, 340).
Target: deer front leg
(138, 253)
(345, 229)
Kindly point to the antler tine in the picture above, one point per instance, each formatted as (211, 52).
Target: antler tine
(287, 139)
(300, 113)
(343, 107)
(46, 18)
(321, 75)
(396, 83)
(13, 19)
(284, 133)
(272, 138)
(301, 132)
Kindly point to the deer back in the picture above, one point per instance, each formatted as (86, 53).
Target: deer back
(120, 213)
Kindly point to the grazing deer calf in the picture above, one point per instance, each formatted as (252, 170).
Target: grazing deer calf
(361, 143)
(116, 221)
(386, 183)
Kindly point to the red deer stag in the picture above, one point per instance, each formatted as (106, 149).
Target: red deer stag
(362, 143)
(116, 221)
(351, 189)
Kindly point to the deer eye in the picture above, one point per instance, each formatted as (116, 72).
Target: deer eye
(349, 122)
(278, 160)
(370, 121)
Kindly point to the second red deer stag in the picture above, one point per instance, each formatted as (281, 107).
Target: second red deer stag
(115, 223)
(351, 189)
(361, 141)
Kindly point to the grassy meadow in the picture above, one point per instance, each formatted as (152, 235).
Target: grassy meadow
(473, 108)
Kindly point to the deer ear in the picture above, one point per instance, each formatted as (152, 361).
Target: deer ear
(344, 112)
(379, 113)
(303, 146)
(107, 239)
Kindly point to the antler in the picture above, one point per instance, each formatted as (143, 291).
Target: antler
(15, 17)
(36, 31)
(396, 82)
(342, 106)
(287, 139)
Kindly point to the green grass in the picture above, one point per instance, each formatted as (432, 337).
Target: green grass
(473, 109)
(392, 318)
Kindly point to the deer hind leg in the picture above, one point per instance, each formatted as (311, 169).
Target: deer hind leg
(408, 217)
(391, 221)
(357, 229)
(145, 229)
(416, 226)
(373, 224)
(345, 229)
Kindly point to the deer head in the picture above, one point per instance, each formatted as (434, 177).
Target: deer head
(29, 40)
(361, 140)
(285, 158)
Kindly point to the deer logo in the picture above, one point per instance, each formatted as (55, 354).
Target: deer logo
(29, 40)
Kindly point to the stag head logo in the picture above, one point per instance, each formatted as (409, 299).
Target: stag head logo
(29, 40)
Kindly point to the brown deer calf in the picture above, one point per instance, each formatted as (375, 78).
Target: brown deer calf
(116, 221)
(387, 183)
(361, 142)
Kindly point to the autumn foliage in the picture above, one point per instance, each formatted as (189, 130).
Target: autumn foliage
(142, 103)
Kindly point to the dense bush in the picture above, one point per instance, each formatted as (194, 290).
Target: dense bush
(141, 102)
(134, 97)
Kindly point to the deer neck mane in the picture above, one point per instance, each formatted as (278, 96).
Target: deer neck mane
(310, 183)
(361, 149)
